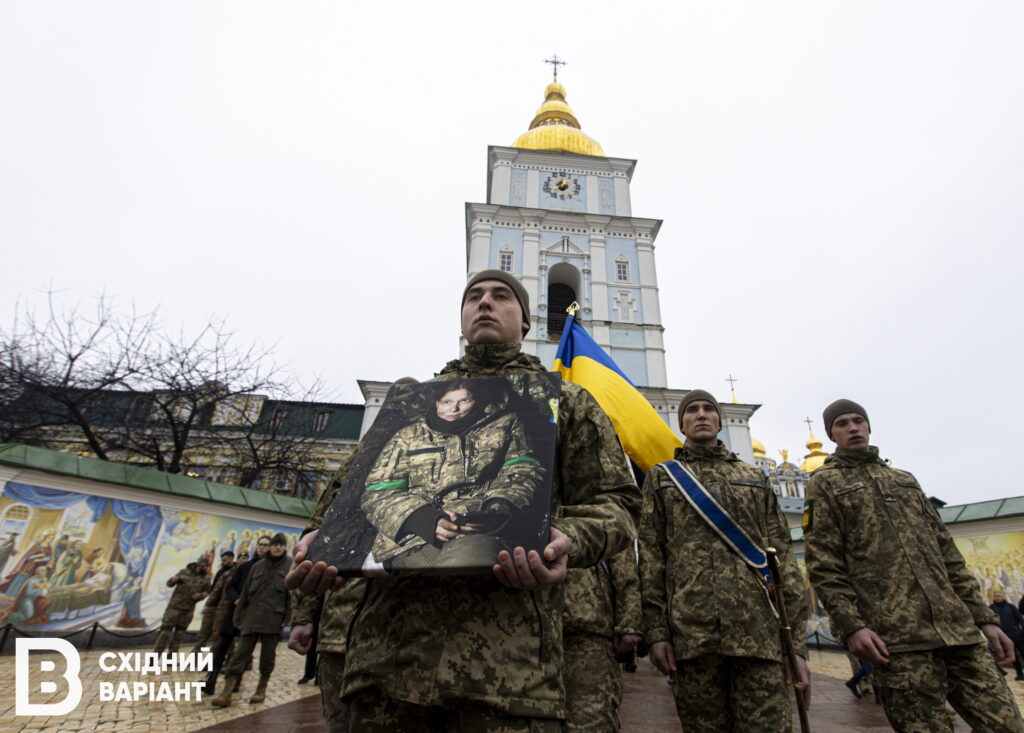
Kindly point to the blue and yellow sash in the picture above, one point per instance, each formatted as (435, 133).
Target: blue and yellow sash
(718, 518)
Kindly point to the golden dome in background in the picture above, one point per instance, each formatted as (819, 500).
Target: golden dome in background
(758, 446)
(556, 128)
(816, 457)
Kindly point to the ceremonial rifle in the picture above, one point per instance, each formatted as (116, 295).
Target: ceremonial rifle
(786, 634)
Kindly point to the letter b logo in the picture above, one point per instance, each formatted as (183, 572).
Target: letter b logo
(22, 706)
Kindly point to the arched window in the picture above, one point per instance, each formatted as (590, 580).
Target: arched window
(563, 287)
(505, 259)
(621, 269)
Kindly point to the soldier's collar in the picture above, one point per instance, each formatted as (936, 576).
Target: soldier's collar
(858, 457)
(494, 359)
(694, 452)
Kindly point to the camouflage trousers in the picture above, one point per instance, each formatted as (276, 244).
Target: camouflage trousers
(915, 686)
(370, 711)
(172, 627)
(715, 694)
(593, 684)
(335, 712)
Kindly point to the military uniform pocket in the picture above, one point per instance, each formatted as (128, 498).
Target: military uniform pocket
(884, 677)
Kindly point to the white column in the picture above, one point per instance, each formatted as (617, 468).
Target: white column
(374, 394)
(623, 207)
(501, 181)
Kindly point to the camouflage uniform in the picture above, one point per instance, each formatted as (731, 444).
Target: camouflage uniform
(699, 595)
(208, 629)
(601, 602)
(224, 604)
(181, 607)
(466, 645)
(420, 468)
(880, 557)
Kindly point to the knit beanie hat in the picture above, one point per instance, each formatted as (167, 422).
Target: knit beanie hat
(508, 279)
(698, 394)
(841, 407)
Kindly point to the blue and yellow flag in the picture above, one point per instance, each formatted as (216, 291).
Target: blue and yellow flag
(646, 438)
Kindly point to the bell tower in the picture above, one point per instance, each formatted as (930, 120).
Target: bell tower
(558, 216)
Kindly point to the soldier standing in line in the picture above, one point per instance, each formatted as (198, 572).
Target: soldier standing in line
(601, 621)
(484, 653)
(191, 585)
(898, 590)
(209, 612)
(707, 614)
(224, 623)
(260, 614)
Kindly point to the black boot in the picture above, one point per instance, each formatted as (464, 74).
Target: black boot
(211, 683)
(852, 684)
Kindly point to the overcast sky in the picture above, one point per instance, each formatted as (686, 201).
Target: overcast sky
(840, 183)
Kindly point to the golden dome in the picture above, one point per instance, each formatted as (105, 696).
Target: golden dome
(759, 451)
(816, 457)
(555, 127)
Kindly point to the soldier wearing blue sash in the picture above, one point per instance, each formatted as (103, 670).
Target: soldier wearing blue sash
(707, 616)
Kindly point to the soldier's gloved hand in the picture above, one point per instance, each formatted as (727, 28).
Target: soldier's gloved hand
(527, 571)
(663, 656)
(306, 576)
(999, 644)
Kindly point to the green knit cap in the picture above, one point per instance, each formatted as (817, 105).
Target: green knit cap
(698, 394)
(841, 407)
(509, 279)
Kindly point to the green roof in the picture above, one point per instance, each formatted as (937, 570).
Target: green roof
(995, 509)
(148, 479)
(976, 512)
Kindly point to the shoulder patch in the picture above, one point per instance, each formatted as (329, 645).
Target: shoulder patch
(808, 518)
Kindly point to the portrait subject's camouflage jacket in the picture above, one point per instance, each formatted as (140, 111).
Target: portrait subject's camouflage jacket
(696, 591)
(420, 468)
(879, 556)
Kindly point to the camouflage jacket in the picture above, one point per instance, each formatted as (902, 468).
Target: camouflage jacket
(420, 468)
(604, 599)
(696, 591)
(217, 590)
(186, 583)
(338, 606)
(445, 640)
(879, 556)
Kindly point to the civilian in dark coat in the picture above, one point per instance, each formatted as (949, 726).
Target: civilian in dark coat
(1013, 626)
(261, 612)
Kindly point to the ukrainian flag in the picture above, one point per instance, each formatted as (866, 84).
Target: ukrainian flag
(645, 436)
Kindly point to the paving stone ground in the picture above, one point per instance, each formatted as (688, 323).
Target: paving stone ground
(293, 708)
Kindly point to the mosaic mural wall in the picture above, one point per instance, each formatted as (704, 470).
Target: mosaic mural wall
(70, 559)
